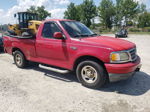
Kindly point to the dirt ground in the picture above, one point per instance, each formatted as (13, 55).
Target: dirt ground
(42, 89)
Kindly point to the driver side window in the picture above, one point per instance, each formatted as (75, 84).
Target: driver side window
(49, 29)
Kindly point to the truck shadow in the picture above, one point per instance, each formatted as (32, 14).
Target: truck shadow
(65, 76)
(137, 85)
(1, 51)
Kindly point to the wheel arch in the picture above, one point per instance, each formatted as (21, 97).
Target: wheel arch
(24, 62)
(17, 49)
(88, 57)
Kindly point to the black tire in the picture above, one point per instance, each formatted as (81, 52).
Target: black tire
(19, 56)
(101, 74)
(116, 36)
(1, 49)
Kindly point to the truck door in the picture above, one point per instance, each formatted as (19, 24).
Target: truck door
(48, 47)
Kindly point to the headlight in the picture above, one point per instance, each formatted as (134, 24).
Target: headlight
(119, 57)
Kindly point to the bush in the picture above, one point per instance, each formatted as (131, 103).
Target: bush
(134, 30)
(146, 29)
(104, 30)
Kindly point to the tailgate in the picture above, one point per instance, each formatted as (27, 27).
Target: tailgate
(7, 41)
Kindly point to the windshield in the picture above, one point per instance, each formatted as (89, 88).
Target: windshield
(77, 29)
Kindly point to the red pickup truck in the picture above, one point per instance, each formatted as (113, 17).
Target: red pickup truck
(71, 45)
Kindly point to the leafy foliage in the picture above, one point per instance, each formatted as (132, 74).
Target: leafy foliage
(84, 12)
(120, 13)
(88, 12)
(106, 13)
(72, 12)
(144, 20)
(41, 11)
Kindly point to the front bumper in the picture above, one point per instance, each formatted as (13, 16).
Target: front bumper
(119, 72)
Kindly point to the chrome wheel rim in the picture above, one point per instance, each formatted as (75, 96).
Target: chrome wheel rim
(18, 59)
(89, 74)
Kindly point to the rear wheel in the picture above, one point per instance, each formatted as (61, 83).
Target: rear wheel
(20, 59)
(91, 74)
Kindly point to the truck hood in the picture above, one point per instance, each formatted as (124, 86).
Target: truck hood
(116, 44)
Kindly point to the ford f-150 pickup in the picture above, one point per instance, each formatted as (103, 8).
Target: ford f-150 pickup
(71, 45)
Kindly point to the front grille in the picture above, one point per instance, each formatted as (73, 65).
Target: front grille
(133, 55)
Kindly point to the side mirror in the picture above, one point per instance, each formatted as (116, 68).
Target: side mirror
(58, 35)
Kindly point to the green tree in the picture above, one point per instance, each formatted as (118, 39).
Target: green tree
(72, 12)
(142, 8)
(144, 20)
(106, 11)
(118, 13)
(41, 11)
(87, 12)
(126, 10)
(32, 9)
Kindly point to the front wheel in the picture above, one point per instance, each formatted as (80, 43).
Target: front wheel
(20, 59)
(91, 74)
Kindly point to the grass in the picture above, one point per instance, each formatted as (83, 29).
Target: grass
(143, 33)
(113, 32)
(138, 33)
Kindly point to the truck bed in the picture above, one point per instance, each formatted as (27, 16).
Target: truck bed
(25, 44)
(19, 37)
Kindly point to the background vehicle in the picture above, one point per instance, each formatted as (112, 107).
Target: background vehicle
(122, 33)
(1, 42)
(28, 22)
(71, 45)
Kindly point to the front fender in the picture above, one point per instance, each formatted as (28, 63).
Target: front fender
(101, 53)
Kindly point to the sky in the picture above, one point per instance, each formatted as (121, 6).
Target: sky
(56, 7)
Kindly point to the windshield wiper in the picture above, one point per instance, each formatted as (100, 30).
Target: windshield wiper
(81, 35)
(94, 34)
(85, 35)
